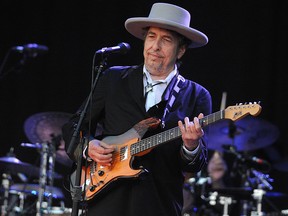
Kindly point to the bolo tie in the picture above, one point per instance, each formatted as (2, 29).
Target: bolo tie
(149, 87)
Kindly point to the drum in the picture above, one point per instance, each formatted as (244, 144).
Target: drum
(60, 211)
(23, 200)
(231, 200)
(195, 195)
(57, 211)
(20, 203)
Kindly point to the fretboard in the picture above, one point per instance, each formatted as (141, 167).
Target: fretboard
(171, 134)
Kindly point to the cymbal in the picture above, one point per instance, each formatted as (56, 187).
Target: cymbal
(42, 127)
(247, 134)
(61, 155)
(13, 165)
(34, 188)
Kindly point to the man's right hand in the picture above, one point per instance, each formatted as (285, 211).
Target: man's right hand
(100, 152)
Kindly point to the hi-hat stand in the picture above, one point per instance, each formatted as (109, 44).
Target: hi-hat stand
(46, 177)
(6, 179)
(42, 178)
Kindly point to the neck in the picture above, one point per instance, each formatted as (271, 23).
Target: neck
(159, 74)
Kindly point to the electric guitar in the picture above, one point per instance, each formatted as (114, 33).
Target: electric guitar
(95, 178)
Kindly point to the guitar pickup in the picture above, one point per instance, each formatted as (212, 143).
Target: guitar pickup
(124, 153)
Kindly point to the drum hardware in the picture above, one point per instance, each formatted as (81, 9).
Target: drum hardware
(213, 198)
(246, 167)
(36, 170)
(203, 182)
(51, 163)
(262, 181)
(12, 165)
(24, 198)
(48, 154)
(240, 137)
(245, 207)
(46, 177)
(13, 200)
(194, 193)
(48, 209)
(258, 195)
(228, 196)
(44, 127)
(199, 181)
(16, 202)
(225, 201)
(47, 151)
(32, 189)
(42, 178)
(6, 179)
(249, 197)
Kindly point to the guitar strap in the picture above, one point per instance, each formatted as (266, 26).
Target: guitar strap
(172, 97)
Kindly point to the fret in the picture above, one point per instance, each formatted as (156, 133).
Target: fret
(212, 118)
(171, 134)
(155, 140)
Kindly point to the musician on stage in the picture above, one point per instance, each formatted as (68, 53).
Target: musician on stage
(145, 100)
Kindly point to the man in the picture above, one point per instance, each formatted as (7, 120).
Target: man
(148, 99)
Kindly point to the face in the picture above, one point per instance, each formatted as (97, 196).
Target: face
(161, 50)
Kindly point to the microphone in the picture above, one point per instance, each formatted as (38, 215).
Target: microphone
(121, 48)
(250, 160)
(258, 160)
(31, 50)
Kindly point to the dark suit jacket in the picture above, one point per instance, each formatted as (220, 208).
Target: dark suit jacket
(118, 104)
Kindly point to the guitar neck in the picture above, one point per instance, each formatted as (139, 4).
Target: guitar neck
(171, 134)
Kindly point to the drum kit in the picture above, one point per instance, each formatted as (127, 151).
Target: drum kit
(248, 190)
(235, 138)
(24, 197)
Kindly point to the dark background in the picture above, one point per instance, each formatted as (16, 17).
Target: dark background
(246, 57)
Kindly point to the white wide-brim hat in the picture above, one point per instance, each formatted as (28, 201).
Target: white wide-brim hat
(167, 16)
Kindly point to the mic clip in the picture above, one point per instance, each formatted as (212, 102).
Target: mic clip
(252, 162)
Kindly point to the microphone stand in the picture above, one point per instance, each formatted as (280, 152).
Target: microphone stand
(77, 190)
(232, 132)
(17, 67)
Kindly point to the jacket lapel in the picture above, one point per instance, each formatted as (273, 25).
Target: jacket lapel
(135, 79)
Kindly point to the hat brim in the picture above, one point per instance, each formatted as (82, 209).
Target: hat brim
(136, 27)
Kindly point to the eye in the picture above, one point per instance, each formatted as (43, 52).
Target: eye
(166, 40)
(150, 35)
